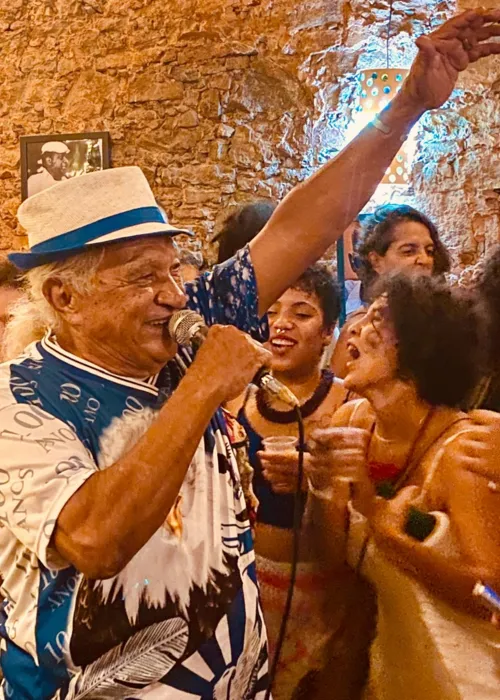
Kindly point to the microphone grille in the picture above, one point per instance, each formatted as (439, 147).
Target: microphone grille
(183, 324)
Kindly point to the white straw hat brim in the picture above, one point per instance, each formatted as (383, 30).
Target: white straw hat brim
(106, 206)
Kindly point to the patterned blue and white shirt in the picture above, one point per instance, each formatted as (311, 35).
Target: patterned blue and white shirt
(183, 619)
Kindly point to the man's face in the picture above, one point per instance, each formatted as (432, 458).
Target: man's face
(8, 296)
(124, 319)
(57, 165)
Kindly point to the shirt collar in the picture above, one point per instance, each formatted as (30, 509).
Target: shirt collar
(52, 347)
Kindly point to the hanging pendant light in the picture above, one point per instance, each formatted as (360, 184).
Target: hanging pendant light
(375, 88)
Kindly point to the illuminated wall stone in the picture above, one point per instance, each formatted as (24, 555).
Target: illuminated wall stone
(224, 101)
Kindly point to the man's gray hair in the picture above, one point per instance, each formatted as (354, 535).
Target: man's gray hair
(33, 315)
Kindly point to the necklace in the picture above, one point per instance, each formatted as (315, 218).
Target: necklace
(307, 408)
(388, 478)
(389, 488)
(387, 441)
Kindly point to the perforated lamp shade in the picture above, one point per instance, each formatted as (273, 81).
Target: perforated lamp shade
(375, 88)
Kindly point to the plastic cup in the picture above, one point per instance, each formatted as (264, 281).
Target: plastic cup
(279, 443)
(355, 439)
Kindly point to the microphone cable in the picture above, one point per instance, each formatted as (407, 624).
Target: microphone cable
(184, 359)
(297, 527)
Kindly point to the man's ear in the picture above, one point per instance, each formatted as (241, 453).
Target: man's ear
(63, 299)
(376, 261)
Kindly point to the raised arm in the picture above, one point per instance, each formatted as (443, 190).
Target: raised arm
(316, 212)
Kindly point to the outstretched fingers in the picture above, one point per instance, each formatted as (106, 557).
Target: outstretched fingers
(471, 19)
(483, 50)
(484, 418)
(487, 31)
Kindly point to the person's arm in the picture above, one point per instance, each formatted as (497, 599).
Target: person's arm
(315, 213)
(449, 577)
(117, 510)
(468, 468)
(471, 485)
(337, 471)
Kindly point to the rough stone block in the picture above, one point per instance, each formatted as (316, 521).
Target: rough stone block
(187, 120)
(149, 87)
(225, 131)
(198, 195)
(209, 105)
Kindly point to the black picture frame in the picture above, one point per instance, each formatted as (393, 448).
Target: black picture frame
(88, 151)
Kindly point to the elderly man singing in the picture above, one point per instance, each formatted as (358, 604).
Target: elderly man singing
(125, 546)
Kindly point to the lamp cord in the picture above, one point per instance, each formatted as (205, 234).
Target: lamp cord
(388, 38)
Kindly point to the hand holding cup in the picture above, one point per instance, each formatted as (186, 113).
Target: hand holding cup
(336, 454)
(279, 460)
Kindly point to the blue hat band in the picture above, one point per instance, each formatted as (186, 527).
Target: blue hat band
(111, 224)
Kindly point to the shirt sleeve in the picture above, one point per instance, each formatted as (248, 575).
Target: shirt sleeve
(42, 464)
(228, 295)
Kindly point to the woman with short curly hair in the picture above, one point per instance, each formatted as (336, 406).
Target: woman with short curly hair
(422, 528)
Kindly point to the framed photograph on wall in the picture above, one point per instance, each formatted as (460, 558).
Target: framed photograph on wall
(47, 159)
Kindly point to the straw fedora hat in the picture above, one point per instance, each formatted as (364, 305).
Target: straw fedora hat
(101, 207)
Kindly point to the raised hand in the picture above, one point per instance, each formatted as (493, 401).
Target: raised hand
(389, 516)
(388, 527)
(447, 51)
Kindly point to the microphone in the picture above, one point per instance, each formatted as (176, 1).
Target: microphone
(188, 328)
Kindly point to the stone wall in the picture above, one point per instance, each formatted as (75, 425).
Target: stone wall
(225, 101)
(457, 176)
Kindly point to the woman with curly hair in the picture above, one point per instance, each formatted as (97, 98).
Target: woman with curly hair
(394, 237)
(422, 525)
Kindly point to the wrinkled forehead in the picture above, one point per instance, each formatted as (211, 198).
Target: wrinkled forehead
(54, 155)
(157, 251)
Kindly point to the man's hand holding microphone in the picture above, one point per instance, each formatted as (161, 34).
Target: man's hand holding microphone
(228, 360)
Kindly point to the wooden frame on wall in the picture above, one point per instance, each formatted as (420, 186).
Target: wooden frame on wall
(49, 158)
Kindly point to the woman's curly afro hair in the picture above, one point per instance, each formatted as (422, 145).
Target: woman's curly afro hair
(440, 333)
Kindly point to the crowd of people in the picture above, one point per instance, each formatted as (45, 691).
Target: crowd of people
(150, 492)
